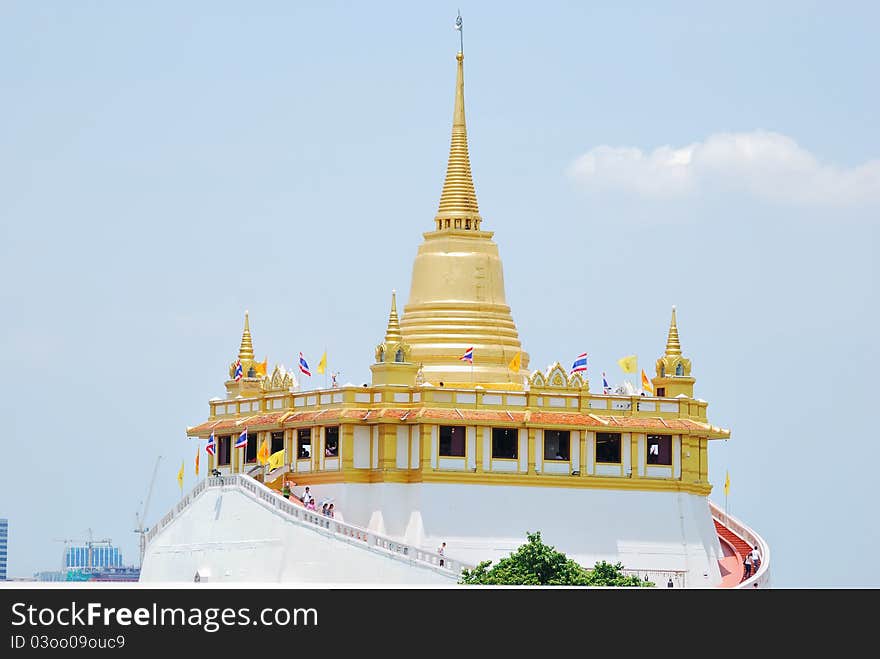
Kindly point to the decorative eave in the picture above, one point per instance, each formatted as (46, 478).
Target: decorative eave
(574, 420)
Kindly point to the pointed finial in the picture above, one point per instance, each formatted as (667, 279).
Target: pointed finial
(246, 351)
(458, 200)
(673, 346)
(393, 333)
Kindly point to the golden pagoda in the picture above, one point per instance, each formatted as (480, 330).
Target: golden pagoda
(456, 298)
(396, 429)
(439, 449)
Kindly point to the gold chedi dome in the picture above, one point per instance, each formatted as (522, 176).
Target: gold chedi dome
(456, 298)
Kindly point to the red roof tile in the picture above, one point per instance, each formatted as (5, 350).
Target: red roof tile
(540, 417)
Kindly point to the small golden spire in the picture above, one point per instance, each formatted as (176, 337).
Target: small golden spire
(673, 347)
(393, 333)
(458, 201)
(247, 346)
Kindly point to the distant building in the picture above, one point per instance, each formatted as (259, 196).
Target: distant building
(4, 538)
(92, 556)
(50, 575)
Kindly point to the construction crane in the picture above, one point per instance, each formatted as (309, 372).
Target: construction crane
(88, 543)
(139, 518)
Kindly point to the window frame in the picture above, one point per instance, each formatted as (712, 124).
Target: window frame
(274, 436)
(660, 451)
(335, 453)
(505, 429)
(302, 441)
(451, 439)
(250, 449)
(609, 435)
(566, 458)
(224, 451)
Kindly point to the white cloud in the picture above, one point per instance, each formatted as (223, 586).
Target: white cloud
(764, 164)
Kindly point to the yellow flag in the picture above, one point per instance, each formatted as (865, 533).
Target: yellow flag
(727, 484)
(197, 463)
(260, 367)
(276, 459)
(180, 476)
(322, 365)
(646, 383)
(263, 453)
(629, 364)
(516, 363)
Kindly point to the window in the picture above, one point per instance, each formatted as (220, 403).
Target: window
(662, 370)
(557, 445)
(277, 441)
(252, 373)
(303, 443)
(398, 356)
(679, 369)
(659, 449)
(381, 355)
(451, 441)
(661, 392)
(331, 441)
(504, 443)
(608, 447)
(223, 450)
(250, 451)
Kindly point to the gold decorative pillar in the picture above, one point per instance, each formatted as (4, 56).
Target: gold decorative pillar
(346, 448)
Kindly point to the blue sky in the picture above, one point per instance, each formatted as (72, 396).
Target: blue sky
(164, 168)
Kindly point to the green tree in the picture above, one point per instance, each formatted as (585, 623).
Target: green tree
(537, 564)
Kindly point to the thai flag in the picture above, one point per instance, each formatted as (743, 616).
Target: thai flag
(237, 373)
(209, 449)
(468, 356)
(580, 364)
(304, 366)
(605, 388)
(241, 442)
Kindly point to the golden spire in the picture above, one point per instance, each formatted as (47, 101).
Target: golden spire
(247, 347)
(458, 201)
(673, 347)
(393, 333)
(456, 299)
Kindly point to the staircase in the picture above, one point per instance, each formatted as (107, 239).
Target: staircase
(740, 546)
(293, 511)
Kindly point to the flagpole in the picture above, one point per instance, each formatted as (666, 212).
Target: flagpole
(325, 367)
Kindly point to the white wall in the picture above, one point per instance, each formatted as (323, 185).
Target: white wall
(643, 530)
(230, 537)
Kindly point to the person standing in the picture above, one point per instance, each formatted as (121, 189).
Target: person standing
(285, 490)
(442, 551)
(756, 559)
(747, 566)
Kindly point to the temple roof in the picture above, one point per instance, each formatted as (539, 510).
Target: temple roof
(290, 419)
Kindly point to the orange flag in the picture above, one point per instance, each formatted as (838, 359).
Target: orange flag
(646, 383)
(263, 453)
(197, 463)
